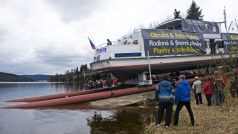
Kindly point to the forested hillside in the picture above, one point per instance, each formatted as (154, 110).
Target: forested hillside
(13, 78)
(38, 77)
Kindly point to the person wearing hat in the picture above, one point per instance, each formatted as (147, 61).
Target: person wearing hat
(197, 88)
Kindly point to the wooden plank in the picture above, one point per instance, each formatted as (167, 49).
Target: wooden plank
(121, 101)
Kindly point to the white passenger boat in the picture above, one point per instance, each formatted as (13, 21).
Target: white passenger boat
(175, 45)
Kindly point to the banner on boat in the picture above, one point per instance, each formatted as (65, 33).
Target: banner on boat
(172, 42)
(199, 26)
(230, 42)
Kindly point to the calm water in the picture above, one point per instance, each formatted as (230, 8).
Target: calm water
(73, 119)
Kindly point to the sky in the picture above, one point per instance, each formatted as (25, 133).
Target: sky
(51, 36)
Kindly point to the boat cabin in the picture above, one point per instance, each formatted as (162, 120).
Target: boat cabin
(202, 37)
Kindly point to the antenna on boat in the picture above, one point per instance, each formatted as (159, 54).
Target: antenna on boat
(148, 56)
(236, 25)
(225, 18)
(230, 26)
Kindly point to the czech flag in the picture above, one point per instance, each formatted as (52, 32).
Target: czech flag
(91, 43)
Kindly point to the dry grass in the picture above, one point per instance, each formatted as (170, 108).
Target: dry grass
(208, 120)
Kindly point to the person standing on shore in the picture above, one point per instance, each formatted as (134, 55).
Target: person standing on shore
(234, 85)
(208, 90)
(218, 88)
(197, 87)
(164, 95)
(182, 97)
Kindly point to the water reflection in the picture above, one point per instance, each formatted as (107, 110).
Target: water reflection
(68, 87)
(70, 119)
(123, 121)
(44, 121)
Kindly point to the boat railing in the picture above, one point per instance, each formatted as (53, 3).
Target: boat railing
(116, 43)
(102, 45)
(124, 40)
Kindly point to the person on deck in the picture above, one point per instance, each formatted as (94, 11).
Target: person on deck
(109, 42)
(182, 97)
(164, 95)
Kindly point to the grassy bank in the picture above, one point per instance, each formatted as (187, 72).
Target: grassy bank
(208, 120)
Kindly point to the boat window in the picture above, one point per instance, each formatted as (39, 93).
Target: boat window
(98, 58)
(170, 27)
(213, 46)
(179, 27)
(220, 44)
(207, 44)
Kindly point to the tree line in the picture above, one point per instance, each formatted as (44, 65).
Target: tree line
(73, 75)
(7, 77)
(194, 12)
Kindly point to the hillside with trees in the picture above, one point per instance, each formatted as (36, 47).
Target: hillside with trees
(38, 77)
(7, 77)
(73, 75)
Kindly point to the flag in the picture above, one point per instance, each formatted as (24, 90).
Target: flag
(91, 43)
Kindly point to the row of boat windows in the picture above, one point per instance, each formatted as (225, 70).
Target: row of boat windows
(217, 44)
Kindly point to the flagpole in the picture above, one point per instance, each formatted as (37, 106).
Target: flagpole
(225, 18)
(148, 56)
(236, 25)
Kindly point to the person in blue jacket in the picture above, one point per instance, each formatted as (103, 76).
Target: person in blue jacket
(182, 98)
(164, 95)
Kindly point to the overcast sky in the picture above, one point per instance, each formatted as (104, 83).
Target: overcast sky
(50, 36)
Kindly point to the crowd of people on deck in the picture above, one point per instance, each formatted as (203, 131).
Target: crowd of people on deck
(101, 83)
(126, 42)
(167, 93)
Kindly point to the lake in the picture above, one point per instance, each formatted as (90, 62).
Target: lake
(71, 119)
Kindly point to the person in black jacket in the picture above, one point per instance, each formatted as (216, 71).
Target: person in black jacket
(109, 42)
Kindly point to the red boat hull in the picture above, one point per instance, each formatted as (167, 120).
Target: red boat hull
(57, 96)
(83, 98)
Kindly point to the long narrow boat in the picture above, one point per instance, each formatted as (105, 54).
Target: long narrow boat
(62, 95)
(50, 97)
(84, 98)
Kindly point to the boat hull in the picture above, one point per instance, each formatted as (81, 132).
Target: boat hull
(125, 69)
(84, 98)
(62, 95)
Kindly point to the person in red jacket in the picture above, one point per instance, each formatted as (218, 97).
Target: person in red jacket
(208, 90)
